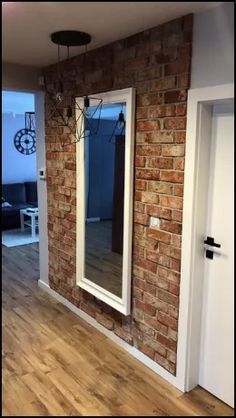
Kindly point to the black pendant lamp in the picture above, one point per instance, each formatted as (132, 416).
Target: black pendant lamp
(64, 109)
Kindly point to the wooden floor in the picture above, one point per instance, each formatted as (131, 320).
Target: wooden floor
(55, 364)
(102, 265)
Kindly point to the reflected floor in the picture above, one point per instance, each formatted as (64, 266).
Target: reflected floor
(102, 266)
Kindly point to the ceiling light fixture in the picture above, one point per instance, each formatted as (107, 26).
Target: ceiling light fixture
(64, 109)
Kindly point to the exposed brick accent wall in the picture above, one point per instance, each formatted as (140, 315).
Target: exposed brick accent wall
(157, 63)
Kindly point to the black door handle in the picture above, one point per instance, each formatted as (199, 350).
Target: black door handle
(210, 241)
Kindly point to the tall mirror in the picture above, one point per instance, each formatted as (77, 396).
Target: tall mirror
(104, 196)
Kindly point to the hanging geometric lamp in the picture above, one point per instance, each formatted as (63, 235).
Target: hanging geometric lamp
(64, 109)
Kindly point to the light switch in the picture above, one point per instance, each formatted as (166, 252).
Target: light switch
(42, 173)
(154, 222)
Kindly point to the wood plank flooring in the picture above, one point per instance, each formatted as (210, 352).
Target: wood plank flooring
(55, 364)
(102, 265)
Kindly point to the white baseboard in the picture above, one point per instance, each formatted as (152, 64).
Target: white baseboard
(130, 349)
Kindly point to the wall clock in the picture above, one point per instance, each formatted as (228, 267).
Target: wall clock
(24, 141)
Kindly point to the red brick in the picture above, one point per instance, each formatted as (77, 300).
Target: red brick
(149, 99)
(168, 321)
(140, 161)
(141, 218)
(156, 280)
(166, 342)
(177, 215)
(162, 137)
(173, 227)
(124, 335)
(173, 150)
(175, 264)
(156, 162)
(140, 184)
(139, 207)
(172, 176)
(171, 202)
(138, 272)
(160, 187)
(178, 190)
(153, 323)
(174, 288)
(141, 113)
(168, 297)
(179, 164)
(147, 174)
(185, 51)
(145, 307)
(175, 123)
(158, 235)
(164, 363)
(146, 197)
(175, 96)
(148, 150)
(177, 67)
(161, 111)
(146, 350)
(181, 109)
(171, 357)
(180, 137)
(106, 322)
(165, 83)
(145, 264)
(147, 125)
(159, 212)
(139, 229)
(183, 81)
(176, 253)
(70, 166)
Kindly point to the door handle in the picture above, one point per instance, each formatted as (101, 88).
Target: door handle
(210, 241)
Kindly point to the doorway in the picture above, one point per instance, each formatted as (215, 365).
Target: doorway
(19, 188)
(38, 103)
(216, 366)
(205, 342)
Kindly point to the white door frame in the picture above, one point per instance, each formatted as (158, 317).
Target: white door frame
(199, 118)
(41, 185)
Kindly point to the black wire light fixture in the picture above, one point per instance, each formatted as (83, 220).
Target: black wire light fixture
(65, 110)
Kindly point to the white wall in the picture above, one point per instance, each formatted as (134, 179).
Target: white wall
(16, 167)
(213, 47)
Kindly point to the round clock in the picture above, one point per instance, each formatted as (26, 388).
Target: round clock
(24, 141)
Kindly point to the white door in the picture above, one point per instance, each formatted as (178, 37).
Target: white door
(217, 340)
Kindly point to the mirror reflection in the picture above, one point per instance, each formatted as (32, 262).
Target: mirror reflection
(104, 196)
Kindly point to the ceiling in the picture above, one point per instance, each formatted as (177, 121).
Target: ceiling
(27, 25)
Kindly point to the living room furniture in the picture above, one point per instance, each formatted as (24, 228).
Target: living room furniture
(20, 196)
(28, 218)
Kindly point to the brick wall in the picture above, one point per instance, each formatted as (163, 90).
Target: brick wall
(157, 63)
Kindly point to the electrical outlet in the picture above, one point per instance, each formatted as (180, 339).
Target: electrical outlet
(154, 222)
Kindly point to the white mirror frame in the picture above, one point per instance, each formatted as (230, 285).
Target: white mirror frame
(122, 304)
